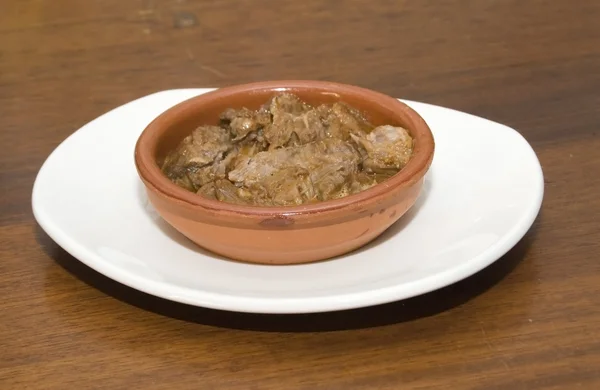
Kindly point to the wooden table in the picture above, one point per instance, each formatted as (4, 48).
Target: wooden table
(530, 321)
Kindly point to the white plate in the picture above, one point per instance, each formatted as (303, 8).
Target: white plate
(480, 197)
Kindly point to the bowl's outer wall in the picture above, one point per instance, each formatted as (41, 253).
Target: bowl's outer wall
(284, 243)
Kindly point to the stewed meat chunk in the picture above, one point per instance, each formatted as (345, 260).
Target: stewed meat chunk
(288, 153)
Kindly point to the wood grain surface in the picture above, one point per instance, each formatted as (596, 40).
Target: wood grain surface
(530, 321)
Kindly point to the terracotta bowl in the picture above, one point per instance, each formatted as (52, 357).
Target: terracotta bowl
(282, 235)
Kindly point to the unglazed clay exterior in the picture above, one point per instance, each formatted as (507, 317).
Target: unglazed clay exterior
(282, 235)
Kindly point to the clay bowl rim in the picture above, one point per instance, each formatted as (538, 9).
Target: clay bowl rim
(152, 176)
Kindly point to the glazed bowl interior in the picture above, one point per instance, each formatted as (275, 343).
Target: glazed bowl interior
(168, 130)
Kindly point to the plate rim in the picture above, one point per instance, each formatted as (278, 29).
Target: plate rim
(252, 304)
